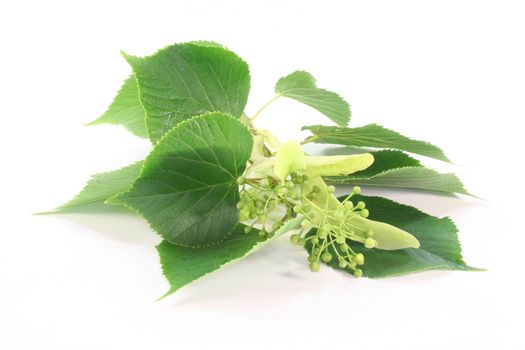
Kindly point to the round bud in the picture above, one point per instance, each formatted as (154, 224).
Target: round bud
(241, 205)
(315, 240)
(343, 247)
(356, 190)
(317, 250)
(340, 240)
(370, 243)
(359, 259)
(241, 180)
(262, 233)
(315, 267)
(364, 213)
(360, 205)
(358, 273)
(294, 239)
(297, 209)
(301, 241)
(343, 264)
(316, 189)
(247, 229)
(312, 258)
(321, 233)
(326, 257)
(306, 224)
(282, 191)
(331, 189)
(349, 204)
(264, 183)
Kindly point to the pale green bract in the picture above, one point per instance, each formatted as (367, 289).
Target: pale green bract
(187, 189)
(185, 80)
(301, 86)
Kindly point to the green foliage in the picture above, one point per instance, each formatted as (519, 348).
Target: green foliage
(300, 86)
(188, 190)
(373, 135)
(104, 186)
(126, 110)
(185, 80)
(214, 201)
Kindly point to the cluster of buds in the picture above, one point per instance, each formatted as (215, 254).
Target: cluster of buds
(327, 233)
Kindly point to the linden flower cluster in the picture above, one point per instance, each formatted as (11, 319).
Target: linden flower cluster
(288, 184)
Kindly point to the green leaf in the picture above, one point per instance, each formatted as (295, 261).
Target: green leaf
(418, 178)
(103, 186)
(300, 86)
(187, 189)
(440, 248)
(373, 135)
(126, 110)
(183, 265)
(185, 80)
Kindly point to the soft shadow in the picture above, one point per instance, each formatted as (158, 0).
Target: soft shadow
(115, 222)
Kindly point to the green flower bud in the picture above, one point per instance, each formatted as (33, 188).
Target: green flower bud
(315, 240)
(343, 264)
(264, 183)
(301, 241)
(370, 243)
(247, 229)
(322, 233)
(356, 190)
(364, 213)
(317, 250)
(326, 257)
(294, 239)
(315, 267)
(312, 258)
(360, 205)
(316, 189)
(330, 189)
(340, 240)
(343, 247)
(358, 273)
(306, 224)
(349, 205)
(262, 233)
(241, 205)
(359, 259)
(241, 180)
(297, 209)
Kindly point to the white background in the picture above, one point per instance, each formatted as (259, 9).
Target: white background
(451, 72)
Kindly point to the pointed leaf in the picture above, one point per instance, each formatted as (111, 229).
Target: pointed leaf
(418, 178)
(187, 189)
(126, 110)
(104, 186)
(184, 80)
(183, 265)
(373, 135)
(300, 86)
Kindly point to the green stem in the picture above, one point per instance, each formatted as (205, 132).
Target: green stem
(264, 107)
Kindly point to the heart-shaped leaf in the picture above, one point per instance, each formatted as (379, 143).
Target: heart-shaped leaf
(185, 80)
(187, 189)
